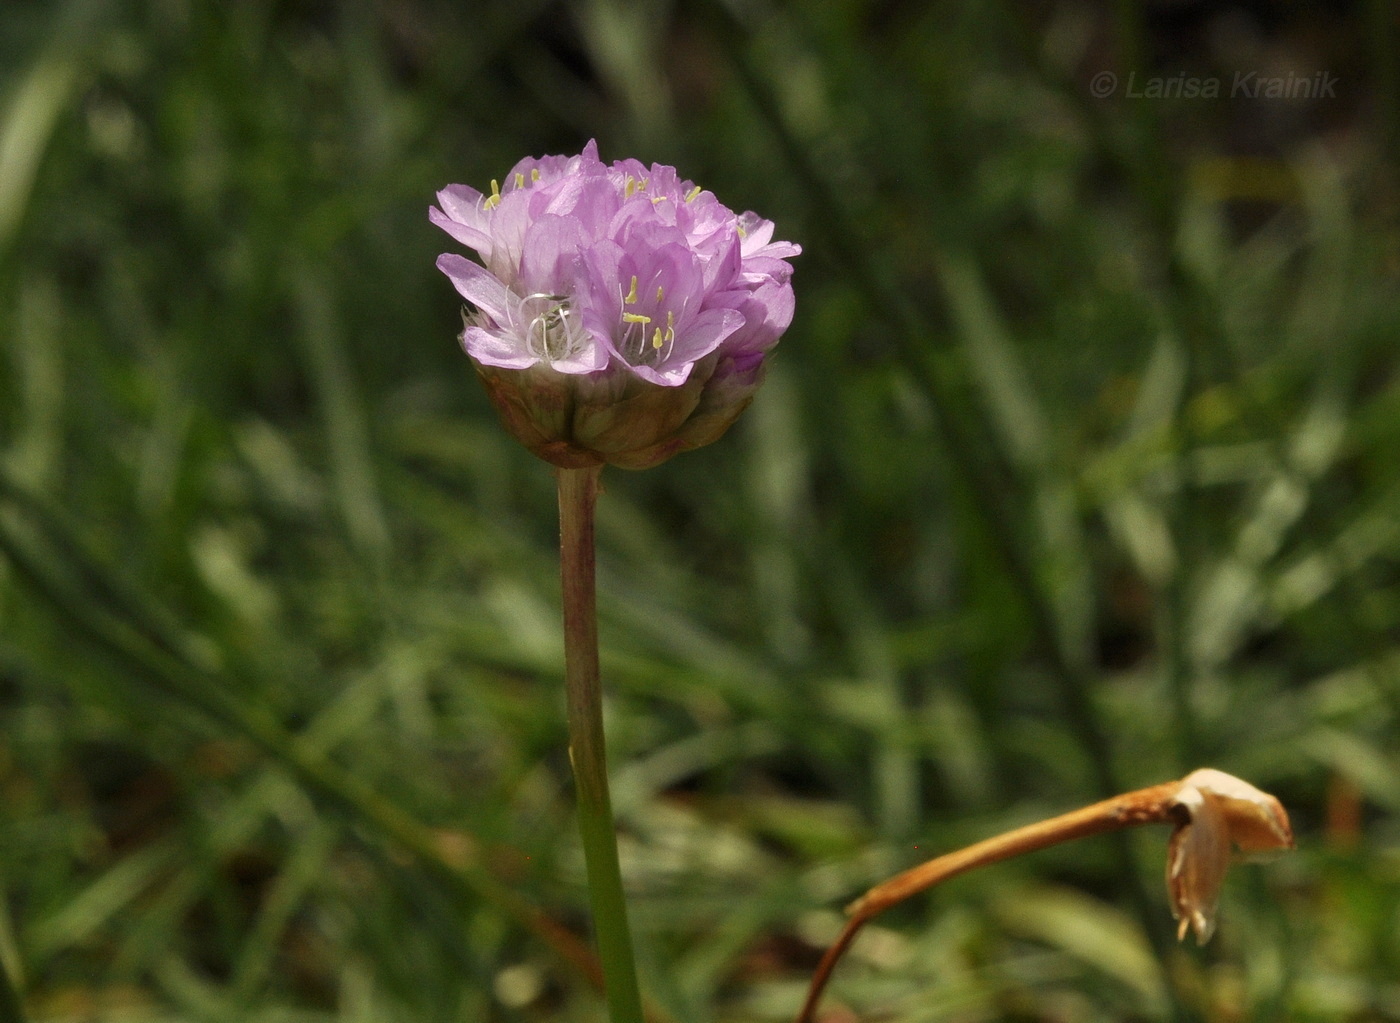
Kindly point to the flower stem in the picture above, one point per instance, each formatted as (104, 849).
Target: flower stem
(578, 495)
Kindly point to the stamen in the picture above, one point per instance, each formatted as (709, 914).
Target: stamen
(494, 199)
(553, 333)
(543, 325)
(693, 194)
(635, 318)
(656, 341)
(670, 336)
(632, 294)
(660, 293)
(534, 173)
(519, 180)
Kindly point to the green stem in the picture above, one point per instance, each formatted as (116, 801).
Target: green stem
(578, 495)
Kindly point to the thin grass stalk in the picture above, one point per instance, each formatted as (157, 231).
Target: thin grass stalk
(988, 481)
(11, 1005)
(158, 659)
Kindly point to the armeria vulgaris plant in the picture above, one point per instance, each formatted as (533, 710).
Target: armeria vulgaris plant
(620, 314)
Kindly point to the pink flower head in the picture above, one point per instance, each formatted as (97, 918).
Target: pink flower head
(599, 285)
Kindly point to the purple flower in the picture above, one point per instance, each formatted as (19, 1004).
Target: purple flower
(620, 313)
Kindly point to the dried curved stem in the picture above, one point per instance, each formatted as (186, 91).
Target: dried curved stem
(1155, 805)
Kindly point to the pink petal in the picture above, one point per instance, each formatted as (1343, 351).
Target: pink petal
(477, 286)
(493, 350)
(588, 359)
(704, 334)
(551, 259)
(472, 237)
(463, 204)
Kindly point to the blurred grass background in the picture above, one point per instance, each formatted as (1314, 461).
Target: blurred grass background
(1075, 471)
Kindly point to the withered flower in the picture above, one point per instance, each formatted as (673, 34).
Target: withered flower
(1221, 812)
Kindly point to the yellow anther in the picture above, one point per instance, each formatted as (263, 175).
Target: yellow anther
(494, 199)
(632, 294)
(630, 187)
(656, 341)
(660, 293)
(740, 229)
(693, 193)
(519, 180)
(534, 173)
(635, 318)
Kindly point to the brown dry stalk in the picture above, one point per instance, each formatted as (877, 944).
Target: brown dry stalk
(1156, 805)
